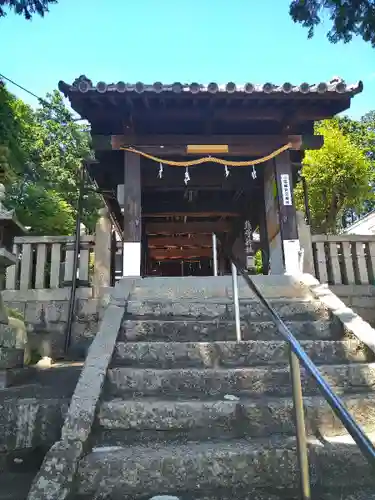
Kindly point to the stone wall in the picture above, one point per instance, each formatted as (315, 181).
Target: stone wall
(46, 313)
(28, 423)
(31, 419)
(360, 298)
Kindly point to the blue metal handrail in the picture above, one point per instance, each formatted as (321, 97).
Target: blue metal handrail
(296, 356)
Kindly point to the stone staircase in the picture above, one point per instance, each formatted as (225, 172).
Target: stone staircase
(31, 417)
(188, 411)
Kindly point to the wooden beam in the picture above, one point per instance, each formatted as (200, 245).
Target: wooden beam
(132, 254)
(161, 145)
(185, 139)
(275, 113)
(175, 182)
(201, 240)
(197, 215)
(204, 113)
(158, 188)
(242, 151)
(176, 253)
(188, 227)
(132, 201)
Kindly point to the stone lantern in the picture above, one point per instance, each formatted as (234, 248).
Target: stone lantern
(13, 336)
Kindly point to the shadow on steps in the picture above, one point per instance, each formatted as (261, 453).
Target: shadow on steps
(31, 417)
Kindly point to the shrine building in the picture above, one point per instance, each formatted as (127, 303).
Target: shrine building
(249, 140)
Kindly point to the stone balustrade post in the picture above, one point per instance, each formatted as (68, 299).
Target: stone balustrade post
(102, 265)
(305, 241)
(13, 337)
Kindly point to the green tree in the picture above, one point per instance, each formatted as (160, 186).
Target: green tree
(57, 149)
(339, 177)
(11, 153)
(26, 8)
(41, 152)
(45, 211)
(368, 122)
(348, 17)
(362, 133)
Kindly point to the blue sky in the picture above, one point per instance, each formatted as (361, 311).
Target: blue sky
(195, 40)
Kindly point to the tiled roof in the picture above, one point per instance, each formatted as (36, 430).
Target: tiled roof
(334, 86)
(358, 222)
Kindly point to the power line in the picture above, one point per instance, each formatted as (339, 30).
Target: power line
(20, 87)
(45, 103)
(37, 176)
(40, 99)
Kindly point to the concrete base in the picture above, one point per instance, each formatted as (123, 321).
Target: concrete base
(13, 376)
(11, 358)
(292, 257)
(132, 259)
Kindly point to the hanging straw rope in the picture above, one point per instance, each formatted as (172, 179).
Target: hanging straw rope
(207, 159)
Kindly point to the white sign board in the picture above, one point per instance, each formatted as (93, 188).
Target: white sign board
(285, 189)
(292, 252)
(276, 263)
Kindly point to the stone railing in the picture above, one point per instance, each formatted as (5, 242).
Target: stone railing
(344, 259)
(47, 262)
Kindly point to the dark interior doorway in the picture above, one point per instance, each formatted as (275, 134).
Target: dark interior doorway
(195, 267)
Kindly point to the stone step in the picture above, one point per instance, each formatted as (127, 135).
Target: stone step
(232, 354)
(214, 287)
(332, 493)
(198, 330)
(212, 383)
(223, 309)
(25, 454)
(126, 421)
(131, 471)
(346, 493)
(15, 486)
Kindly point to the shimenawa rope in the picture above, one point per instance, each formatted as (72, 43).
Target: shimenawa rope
(208, 159)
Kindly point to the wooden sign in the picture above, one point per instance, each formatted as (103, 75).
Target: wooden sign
(285, 189)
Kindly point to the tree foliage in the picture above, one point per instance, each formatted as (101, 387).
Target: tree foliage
(339, 177)
(26, 8)
(348, 17)
(362, 133)
(11, 153)
(41, 152)
(45, 211)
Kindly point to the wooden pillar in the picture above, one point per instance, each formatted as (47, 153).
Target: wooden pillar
(272, 221)
(263, 240)
(304, 233)
(239, 249)
(287, 214)
(222, 270)
(132, 215)
(102, 266)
